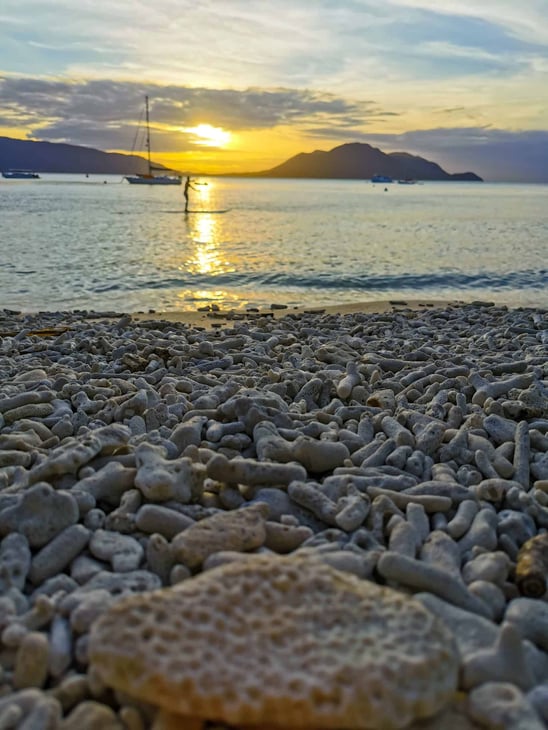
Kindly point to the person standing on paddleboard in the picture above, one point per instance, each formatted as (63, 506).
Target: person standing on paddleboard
(188, 184)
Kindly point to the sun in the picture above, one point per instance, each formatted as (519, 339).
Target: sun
(206, 134)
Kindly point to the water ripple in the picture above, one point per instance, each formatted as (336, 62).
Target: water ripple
(285, 241)
(447, 280)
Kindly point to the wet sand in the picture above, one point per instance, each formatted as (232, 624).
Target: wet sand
(212, 317)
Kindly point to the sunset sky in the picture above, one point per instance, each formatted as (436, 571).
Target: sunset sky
(242, 85)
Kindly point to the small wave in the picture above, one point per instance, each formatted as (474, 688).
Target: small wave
(441, 280)
(438, 280)
(109, 287)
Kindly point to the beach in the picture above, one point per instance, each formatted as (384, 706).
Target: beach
(214, 316)
(392, 452)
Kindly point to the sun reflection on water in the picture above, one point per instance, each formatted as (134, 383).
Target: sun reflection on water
(202, 254)
(206, 254)
(224, 298)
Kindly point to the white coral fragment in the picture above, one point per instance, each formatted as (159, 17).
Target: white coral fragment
(287, 641)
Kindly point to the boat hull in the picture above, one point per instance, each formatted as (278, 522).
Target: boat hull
(158, 180)
(15, 175)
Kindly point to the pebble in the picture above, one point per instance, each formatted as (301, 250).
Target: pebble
(407, 448)
(530, 617)
(501, 704)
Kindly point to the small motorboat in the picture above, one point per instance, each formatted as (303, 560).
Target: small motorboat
(20, 175)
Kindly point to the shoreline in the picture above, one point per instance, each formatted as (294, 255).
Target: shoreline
(212, 317)
(51, 322)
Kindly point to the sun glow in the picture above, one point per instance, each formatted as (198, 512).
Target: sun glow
(209, 136)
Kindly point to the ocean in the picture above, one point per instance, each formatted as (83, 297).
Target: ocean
(75, 242)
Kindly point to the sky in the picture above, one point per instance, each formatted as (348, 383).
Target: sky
(242, 85)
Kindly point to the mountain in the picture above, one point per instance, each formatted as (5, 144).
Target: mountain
(351, 161)
(19, 154)
(361, 161)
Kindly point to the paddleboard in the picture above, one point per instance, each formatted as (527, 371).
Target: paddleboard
(209, 212)
(197, 212)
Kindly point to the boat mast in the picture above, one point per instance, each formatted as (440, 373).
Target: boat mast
(148, 136)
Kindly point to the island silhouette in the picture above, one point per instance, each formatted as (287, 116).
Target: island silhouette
(354, 161)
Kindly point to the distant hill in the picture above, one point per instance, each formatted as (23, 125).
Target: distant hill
(19, 154)
(348, 161)
(361, 161)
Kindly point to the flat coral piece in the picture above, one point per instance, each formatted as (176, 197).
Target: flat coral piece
(284, 641)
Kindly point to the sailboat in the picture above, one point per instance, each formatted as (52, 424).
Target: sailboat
(148, 178)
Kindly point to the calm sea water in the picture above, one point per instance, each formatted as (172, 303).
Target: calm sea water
(71, 242)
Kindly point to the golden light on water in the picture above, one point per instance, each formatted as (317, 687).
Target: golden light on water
(205, 229)
(207, 296)
(203, 252)
(206, 255)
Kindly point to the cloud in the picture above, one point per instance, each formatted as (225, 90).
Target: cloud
(321, 44)
(526, 22)
(104, 113)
